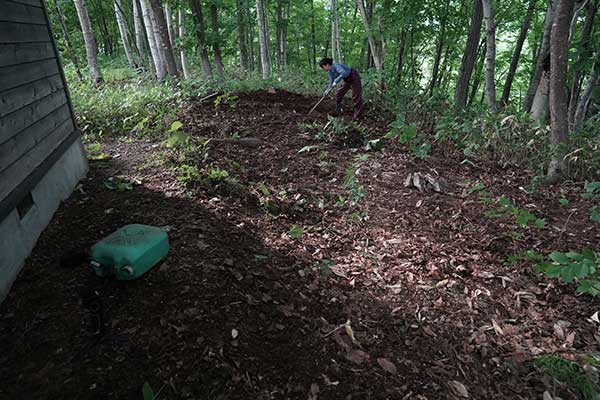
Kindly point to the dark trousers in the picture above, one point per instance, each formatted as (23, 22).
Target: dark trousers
(352, 82)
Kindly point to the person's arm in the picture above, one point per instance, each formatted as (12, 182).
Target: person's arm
(330, 81)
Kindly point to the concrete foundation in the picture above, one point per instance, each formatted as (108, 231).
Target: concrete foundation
(18, 234)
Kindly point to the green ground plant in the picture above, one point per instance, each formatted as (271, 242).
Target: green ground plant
(410, 135)
(571, 374)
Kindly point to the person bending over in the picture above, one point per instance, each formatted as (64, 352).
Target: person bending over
(338, 72)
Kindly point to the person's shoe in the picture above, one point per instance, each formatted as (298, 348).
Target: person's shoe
(338, 109)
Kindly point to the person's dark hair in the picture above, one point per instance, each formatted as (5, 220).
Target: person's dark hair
(325, 61)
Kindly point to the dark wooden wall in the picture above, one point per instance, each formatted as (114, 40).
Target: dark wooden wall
(36, 119)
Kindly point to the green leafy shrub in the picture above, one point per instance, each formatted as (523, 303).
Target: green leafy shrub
(409, 135)
(583, 268)
(227, 98)
(188, 174)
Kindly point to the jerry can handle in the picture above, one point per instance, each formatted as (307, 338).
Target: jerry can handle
(128, 269)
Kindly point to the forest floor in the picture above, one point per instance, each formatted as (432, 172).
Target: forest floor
(242, 310)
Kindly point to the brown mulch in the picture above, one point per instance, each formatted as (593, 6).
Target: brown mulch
(419, 304)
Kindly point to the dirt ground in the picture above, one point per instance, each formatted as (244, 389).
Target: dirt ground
(419, 304)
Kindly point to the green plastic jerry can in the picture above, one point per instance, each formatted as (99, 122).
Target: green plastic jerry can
(129, 252)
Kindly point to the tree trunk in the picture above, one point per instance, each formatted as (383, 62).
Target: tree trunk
(262, 39)
(371, 39)
(559, 98)
(469, 56)
(138, 29)
(182, 55)
(313, 37)
(68, 46)
(540, 109)
(199, 19)
(542, 54)
(584, 53)
(514, 62)
(123, 31)
(159, 66)
(336, 49)
(216, 38)
(584, 101)
(106, 38)
(250, 27)
(490, 58)
(438, 50)
(91, 48)
(163, 33)
(401, 50)
(170, 27)
(242, 35)
(478, 69)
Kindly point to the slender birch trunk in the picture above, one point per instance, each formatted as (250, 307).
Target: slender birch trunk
(262, 39)
(91, 47)
(336, 47)
(123, 31)
(69, 47)
(542, 54)
(139, 31)
(159, 68)
(490, 58)
(372, 45)
(584, 101)
(182, 55)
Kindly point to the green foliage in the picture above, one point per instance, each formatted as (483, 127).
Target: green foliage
(563, 202)
(143, 107)
(595, 214)
(592, 190)
(188, 174)
(119, 184)
(570, 373)
(527, 255)
(324, 267)
(504, 207)
(581, 267)
(147, 392)
(409, 135)
(227, 98)
(217, 175)
(356, 191)
(94, 152)
(295, 232)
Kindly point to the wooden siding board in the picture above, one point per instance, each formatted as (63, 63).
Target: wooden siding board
(18, 75)
(15, 32)
(34, 3)
(13, 124)
(13, 149)
(19, 97)
(19, 53)
(11, 177)
(23, 13)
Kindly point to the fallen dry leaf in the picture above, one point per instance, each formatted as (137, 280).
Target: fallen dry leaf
(387, 365)
(459, 389)
(357, 356)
